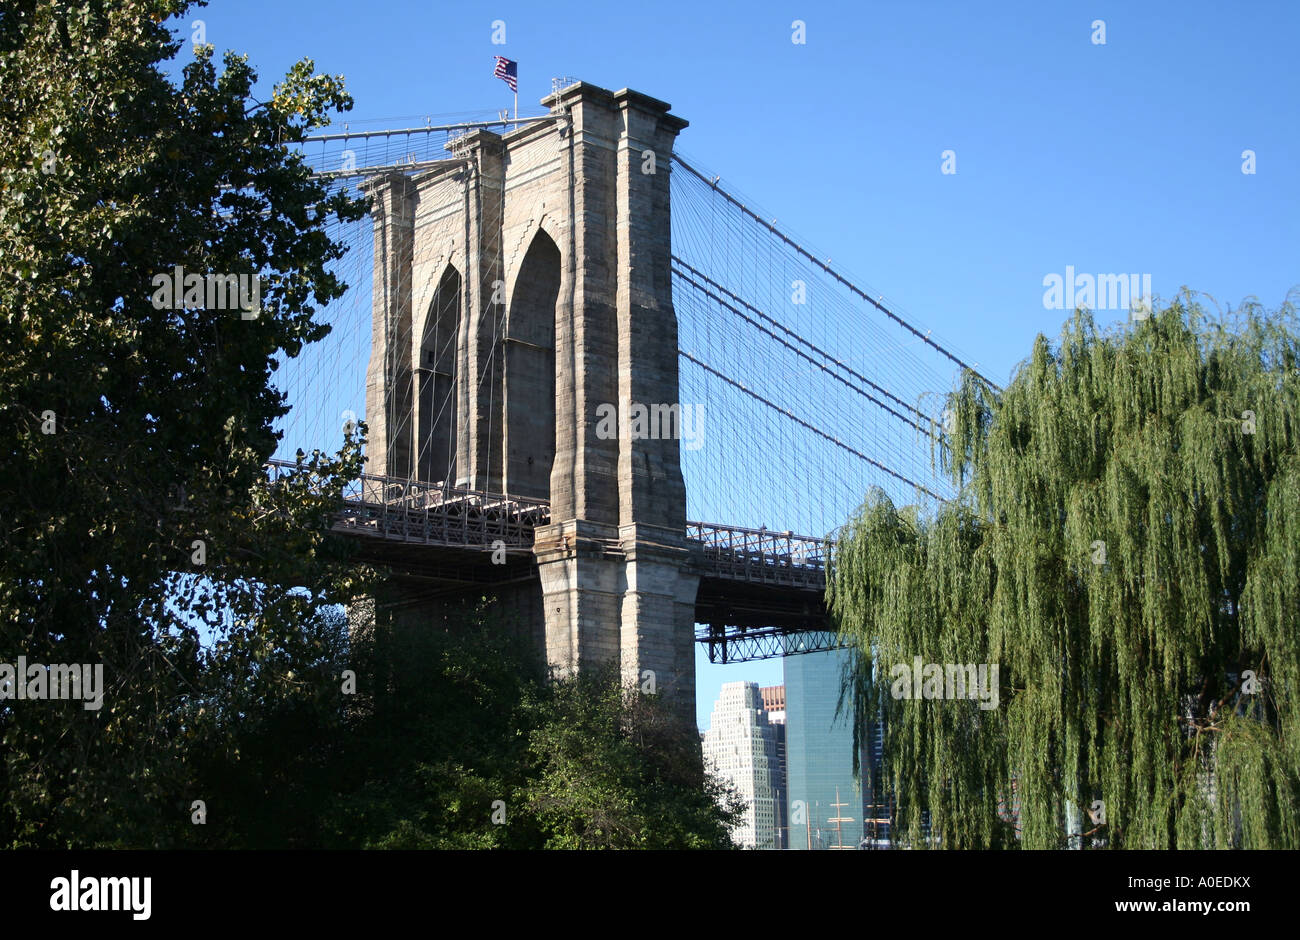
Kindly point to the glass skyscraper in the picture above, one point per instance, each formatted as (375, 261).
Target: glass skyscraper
(824, 805)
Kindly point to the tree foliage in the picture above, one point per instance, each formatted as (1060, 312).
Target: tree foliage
(135, 434)
(616, 769)
(449, 739)
(1126, 548)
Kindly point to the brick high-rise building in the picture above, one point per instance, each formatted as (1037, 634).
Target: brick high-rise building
(774, 704)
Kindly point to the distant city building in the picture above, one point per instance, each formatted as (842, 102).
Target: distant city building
(774, 702)
(740, 748)
(825, 805)
(774, 705)
(877, 808)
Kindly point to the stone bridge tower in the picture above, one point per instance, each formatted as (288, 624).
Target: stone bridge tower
(516, 290)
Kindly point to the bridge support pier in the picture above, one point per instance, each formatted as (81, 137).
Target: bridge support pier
(658, 634)
(620, 595)
(583, 580)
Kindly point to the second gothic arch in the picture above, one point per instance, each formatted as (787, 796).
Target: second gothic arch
(529, 373)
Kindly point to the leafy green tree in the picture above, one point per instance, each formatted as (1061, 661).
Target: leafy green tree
(135, 426)
(436, 735)
(1124, 549)
(453, 740)
(613, 768)
(266, 738)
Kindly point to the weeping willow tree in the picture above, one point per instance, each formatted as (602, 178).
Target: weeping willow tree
(1125, 550)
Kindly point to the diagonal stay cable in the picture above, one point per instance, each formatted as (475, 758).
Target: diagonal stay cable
(835, 274)
(789, 332)
(816, 430)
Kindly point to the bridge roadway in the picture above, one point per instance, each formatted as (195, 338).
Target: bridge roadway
(761, 592)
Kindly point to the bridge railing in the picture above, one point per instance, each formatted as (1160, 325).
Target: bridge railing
(432, 513)
(760, 555)
(456, 516)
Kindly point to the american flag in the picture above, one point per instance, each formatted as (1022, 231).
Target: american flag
(509, 70)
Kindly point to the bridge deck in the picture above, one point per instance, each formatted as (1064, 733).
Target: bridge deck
(757, 587)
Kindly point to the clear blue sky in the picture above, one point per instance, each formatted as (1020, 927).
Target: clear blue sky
(1115, 158)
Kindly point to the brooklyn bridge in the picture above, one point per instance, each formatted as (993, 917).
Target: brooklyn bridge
(540, 304)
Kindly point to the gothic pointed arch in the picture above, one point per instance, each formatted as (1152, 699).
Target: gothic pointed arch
(435, 370)
(530, 371)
